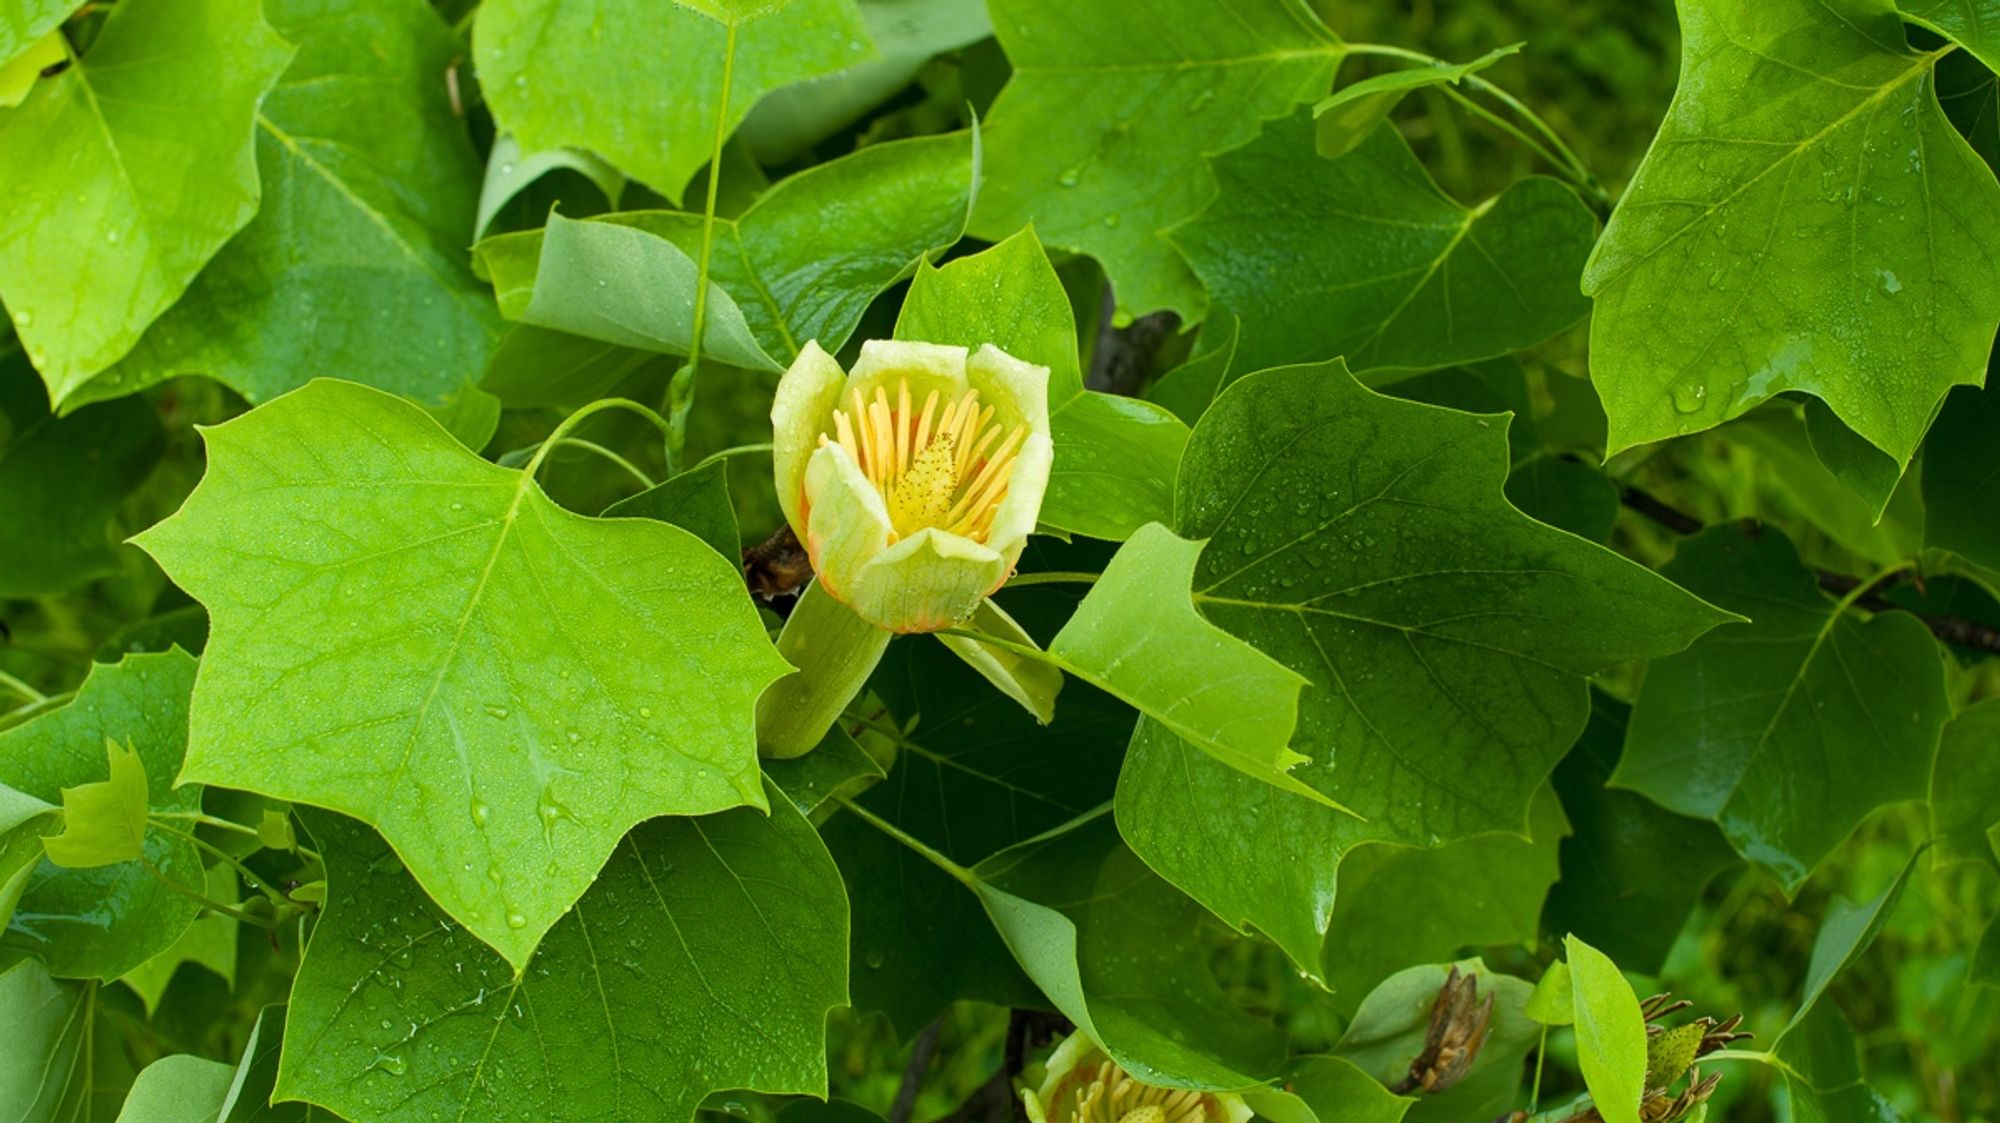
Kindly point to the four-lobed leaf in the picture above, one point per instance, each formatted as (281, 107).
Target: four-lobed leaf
(410, 634)
(1807, 219)
(705, 957)
(1789, 729)
(650, 94)
(1364, 257)
(103, 821)
(1162, 88)
(125, 173)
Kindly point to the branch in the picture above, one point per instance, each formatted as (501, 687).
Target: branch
(995, 1101)
(1124, 356)
(913, 1073)
(1955, 630)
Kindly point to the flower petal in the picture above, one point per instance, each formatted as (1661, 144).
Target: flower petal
(847, 524)
(1018, 390)
(801, 411)
(928, 366)
(1022, 505)
(928, 581)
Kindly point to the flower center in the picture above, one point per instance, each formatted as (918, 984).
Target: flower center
(1115, 1097)
(933, 468)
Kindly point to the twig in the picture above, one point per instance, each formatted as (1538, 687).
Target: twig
(1955, 630)
(913, 1073)
(1124, 356)
(995, 1101)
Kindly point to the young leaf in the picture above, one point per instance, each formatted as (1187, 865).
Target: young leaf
(371, 181)
(60, 1062)
(23, 821)
(1633, 870)
(26, 22)
(1788, 730)
(62, 481)
(1115, 457)
(1346, 117)
(1610, 1033)
(422, 639)
(100, 923)
(1807, 219)
(1328, 1090)
(648, 86)
(705, 957)
(180, 1088)
(1554, 1001)
(104, 821)
(125, 173)
(1373, 262)
(1102, 137)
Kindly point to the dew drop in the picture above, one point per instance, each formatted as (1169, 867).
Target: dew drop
(645, 711)
(1068, 178)
(479, 813)
(516, 920)
(1689, 396)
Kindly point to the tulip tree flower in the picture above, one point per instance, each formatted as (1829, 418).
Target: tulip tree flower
(913, 482)
(1083, 1085)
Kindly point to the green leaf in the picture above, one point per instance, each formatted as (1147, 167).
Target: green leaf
(1960, 511)
(648, 86)
(210, 942)
(1115, 457)
(1554, 1000)
(101, 923)
(1795, 464)
(1398, 906)
(125, 173)
(1865, 470)
(697, 501)
(1788, 730)
(812, 779)
(907, 33)
(1375, 263)
(535, 367)
(1633, 870)
(1019, 669)
(1113, 947)
(1965, 785)
(1135, 638)
(1102, 137)
(1610, 1033)
(1364, 542)
(1821, 1058)
(1844, 934)
(511, 170)
(448, 723)
(973, 774)
(104, 821)
(1328, 1090)
(181, 1088)
(1970, 23)
(1566, 494)
(19, 74)
(249, 1099)
(60, 1064)
(1808, 220)
(23, 821)
(24, 22)
(1388, 1032)
(62, 481)
(803, 262)
(355, 268)
(706, 956)
(1345, 118)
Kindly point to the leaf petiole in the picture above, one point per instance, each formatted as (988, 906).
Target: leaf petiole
(207, 902)
(964, 876)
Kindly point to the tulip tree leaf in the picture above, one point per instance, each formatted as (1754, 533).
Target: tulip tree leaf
(1788, 730)
(705, 957)
(1610, 1032)
(24, 23)
(181, 1088)
(125, 173)
(1135, 639)
(391, 623)
(641, 84)
(104, 821)
(801, 263)
(369, 177)
(1821, 1059)
(210, 942)
(1633, 870)
(100, 923)
(974, 773)
(62, 481)
(1165, 91)
(1965, 785)
(1364, 541)
(1844, 245)
(1373, 262)
(1115, 457)
(1974, 24)
(1113, 947)
(697, 501)
(61, 1062)
(1960, 511)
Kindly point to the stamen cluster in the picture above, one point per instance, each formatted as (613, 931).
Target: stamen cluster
(932, 468)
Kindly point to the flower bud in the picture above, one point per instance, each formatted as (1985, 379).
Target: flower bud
(915, 479)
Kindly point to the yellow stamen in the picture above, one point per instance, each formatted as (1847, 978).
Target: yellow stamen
(932, 467)
(1110, 1095)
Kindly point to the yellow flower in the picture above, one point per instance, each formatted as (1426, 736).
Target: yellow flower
(1084, 1085)
(915, 479)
